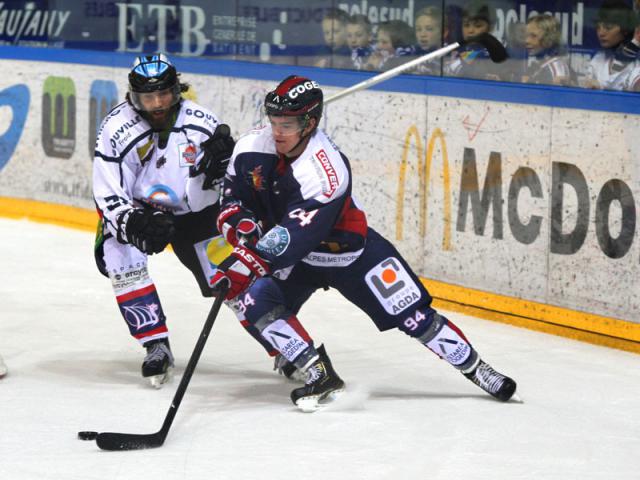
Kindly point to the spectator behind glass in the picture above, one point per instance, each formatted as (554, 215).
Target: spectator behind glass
(629, 50)
(473, 61)
(429, 37)
(547, 63)
(359, 38)
(393, 46)
(610, 68)
(335, 53)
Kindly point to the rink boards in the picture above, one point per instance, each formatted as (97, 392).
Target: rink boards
(521, 213)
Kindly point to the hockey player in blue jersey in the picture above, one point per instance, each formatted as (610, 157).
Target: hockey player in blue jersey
(291, 182)
(159, 162)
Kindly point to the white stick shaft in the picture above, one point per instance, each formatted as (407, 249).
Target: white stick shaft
(441, 52)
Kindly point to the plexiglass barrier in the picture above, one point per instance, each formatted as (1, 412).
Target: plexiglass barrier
(589, 44)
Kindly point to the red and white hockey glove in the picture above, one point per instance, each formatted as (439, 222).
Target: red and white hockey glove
(239, 270)
(238, 226)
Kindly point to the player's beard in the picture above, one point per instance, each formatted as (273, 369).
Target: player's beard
(160, 119)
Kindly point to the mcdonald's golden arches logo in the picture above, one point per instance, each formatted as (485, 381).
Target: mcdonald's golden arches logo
(424, 176)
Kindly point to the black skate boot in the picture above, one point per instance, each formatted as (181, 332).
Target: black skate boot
(322, 385)
(494, 383)
(158, 363)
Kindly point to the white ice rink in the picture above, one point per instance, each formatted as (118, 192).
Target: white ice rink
(407, 415)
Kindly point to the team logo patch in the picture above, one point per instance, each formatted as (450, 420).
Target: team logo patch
(141, 309)
(141, 315)
(162, 196)
(187, 154)
(392, 286)
(275, 241)
(256, 178)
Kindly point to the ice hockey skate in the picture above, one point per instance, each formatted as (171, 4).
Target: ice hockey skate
(322, 385)
(494, 383)
(158, 363)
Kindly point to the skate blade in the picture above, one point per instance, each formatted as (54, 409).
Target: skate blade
(515, 398)
(157, 381)
(314, 403)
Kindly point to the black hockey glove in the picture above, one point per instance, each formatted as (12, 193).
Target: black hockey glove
(148, 230)
(217, 153)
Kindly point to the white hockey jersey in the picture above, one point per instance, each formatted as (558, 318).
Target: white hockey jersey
(627, 79)
(132, 168)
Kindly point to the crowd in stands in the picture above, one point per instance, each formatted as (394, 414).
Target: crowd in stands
(536, 52)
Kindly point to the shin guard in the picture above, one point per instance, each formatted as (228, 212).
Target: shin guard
(142, 311)
(447, 341)
(254, 330)
(286, 334)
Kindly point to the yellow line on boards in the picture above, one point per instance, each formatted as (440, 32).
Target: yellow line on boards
(583, 326)
(54, 213)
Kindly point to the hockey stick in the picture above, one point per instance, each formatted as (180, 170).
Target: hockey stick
(496, 50)
(132, 441)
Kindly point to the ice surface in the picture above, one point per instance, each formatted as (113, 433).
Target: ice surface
(406, 414)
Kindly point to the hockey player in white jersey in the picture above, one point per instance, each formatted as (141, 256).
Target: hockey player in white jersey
(291, 179)
(159, 161)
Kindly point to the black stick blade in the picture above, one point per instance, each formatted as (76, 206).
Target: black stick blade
(496, 50)
(129, 441)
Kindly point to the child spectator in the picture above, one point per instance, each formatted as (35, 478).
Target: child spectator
(546, 63)
(393, 46)
(610, 68)
(473, 60)
(429, 37)
(335, 53)
(359, 38)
